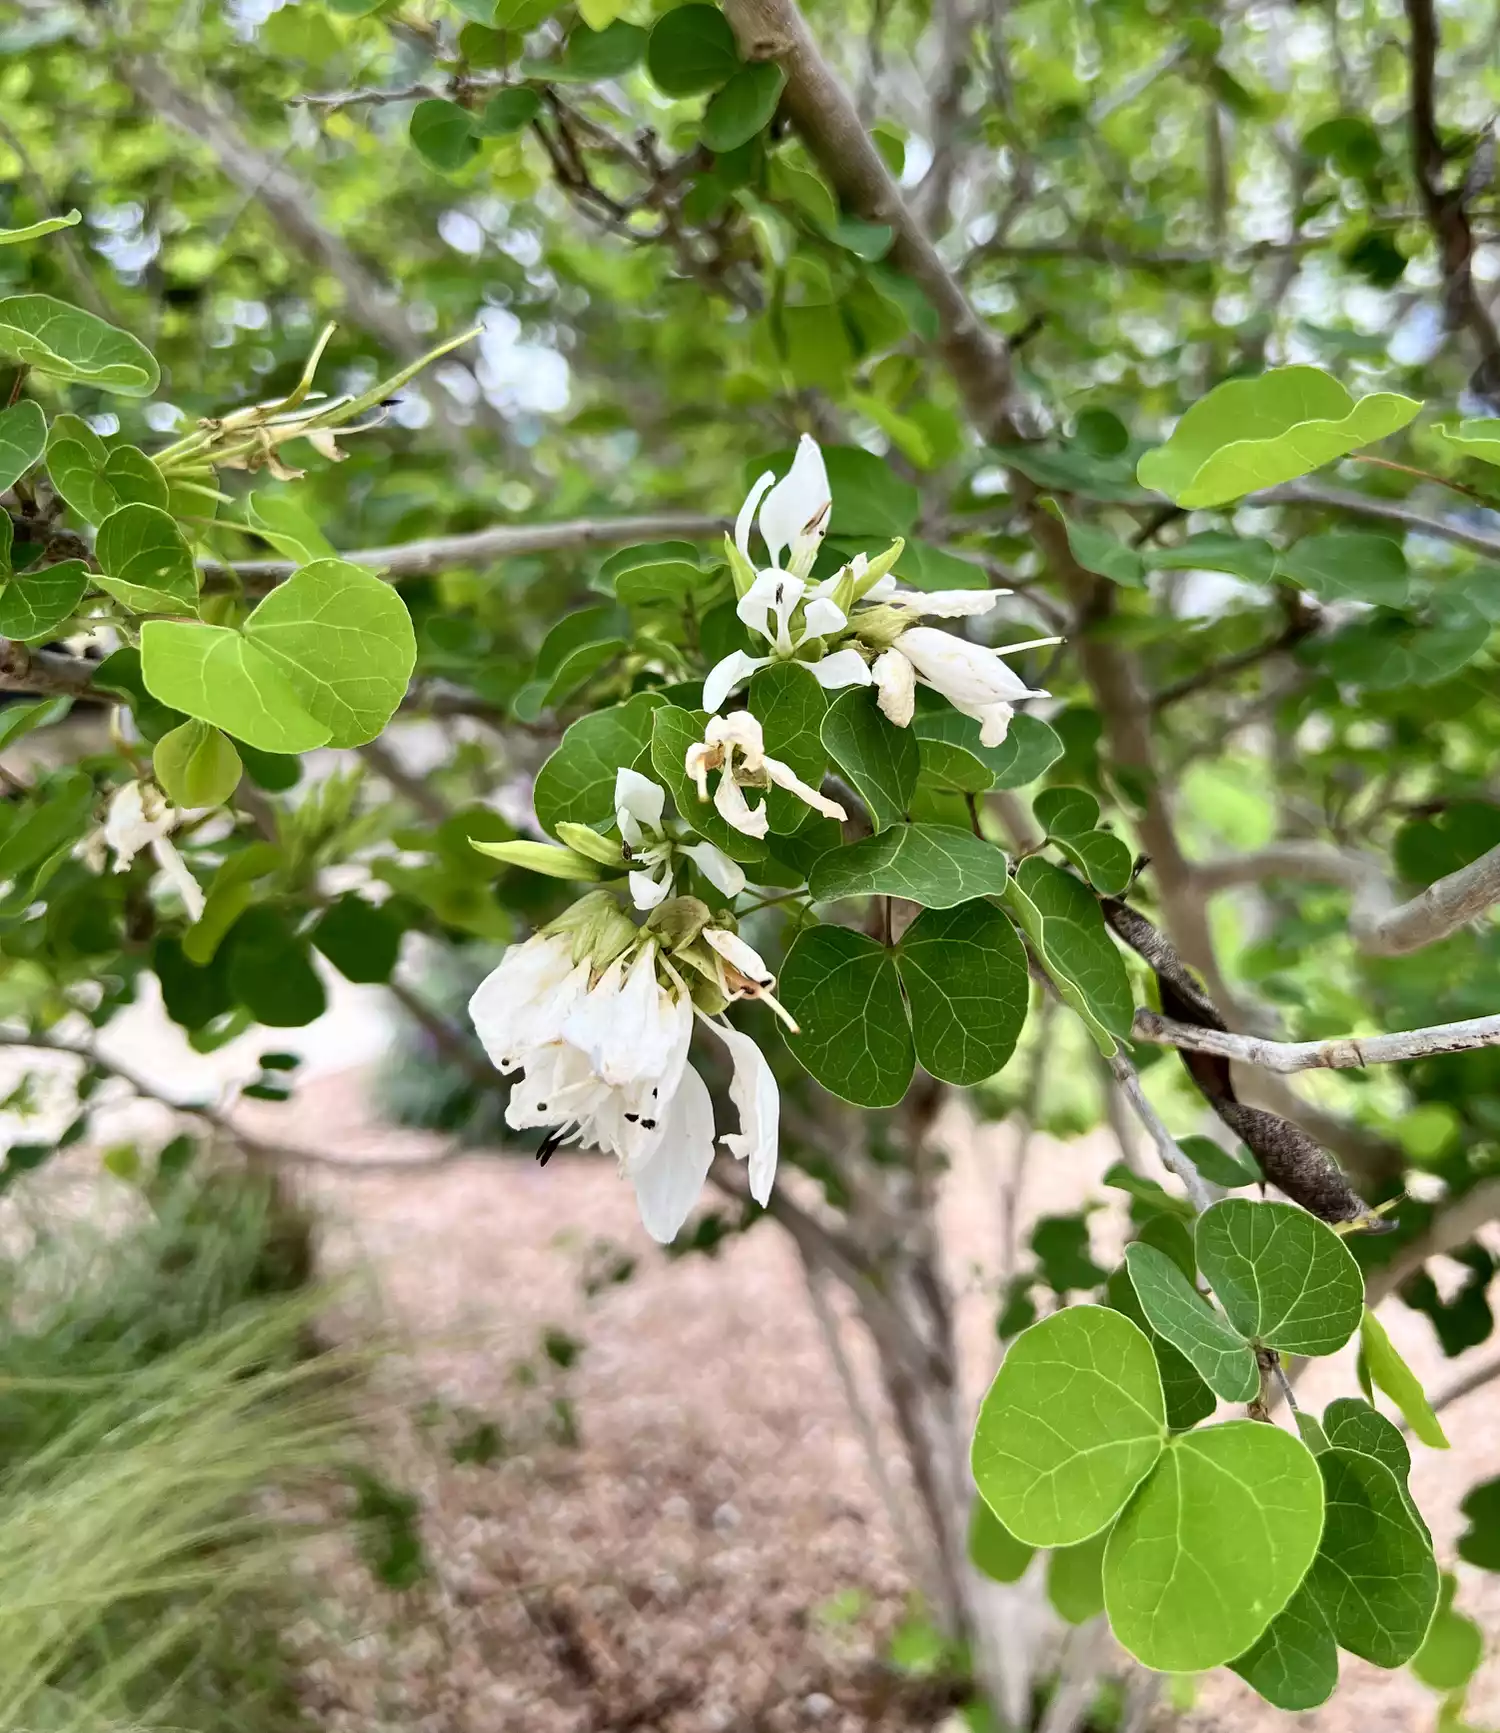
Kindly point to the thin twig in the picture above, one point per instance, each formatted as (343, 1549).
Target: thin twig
(1343, 1053)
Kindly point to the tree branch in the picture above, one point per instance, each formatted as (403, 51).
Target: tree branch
(1343, 1053)
(1385, 510)
(45, 673)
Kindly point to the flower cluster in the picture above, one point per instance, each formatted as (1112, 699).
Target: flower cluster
(140, 816)
(597, 1015)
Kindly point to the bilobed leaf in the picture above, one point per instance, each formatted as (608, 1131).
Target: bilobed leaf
(936, 865)
(47, 226)
(853, 1036)
(219, 676)
(668, 581)
(68, 343)
(1295, 1665)
(1248, 434)
(1075, 1579)
(1454, 1645)
(1188, 1398)
(1213, 1546)
(965, 976)
(790, 706)
(1071, 1425)
(577, 783)
(145, 562)
(23, 439)
(443, 134)
(692, 49)
(33, 606)
(879, 760)
(606, 53)
(1285, 1279)
(76, 456)
(1066, 812)
(196, 765)
(1176, 1311)
(742, 108)
(1355, 1425)
(1392, 1375)
(344, 641)
(673, 731)
(993, 1549)
(1349, 566)
(1374, 1576)
(135, 478)
(1073, 937)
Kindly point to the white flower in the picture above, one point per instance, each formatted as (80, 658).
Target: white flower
(523, 1003)
(794, 515)
(639, 805)
(735, 746)
(971, 677)
(756, 1098)
(140, 816)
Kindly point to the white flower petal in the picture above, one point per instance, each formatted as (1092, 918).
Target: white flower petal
(523, 1002)
(824, 617)
(668, 1183)
(994, 723)
(842, 668)
(640, 799)
(736, 811)
(757, 1100)
(966, 674)
(799, 504)
(945, 604)
(747, 513)
(767, 607)
(785, 777)
(139, 814)
(631, 1028)
(725, 675)
(896, 683)
(176, 869)
(722, 873)
(648, 889)
(733, 949)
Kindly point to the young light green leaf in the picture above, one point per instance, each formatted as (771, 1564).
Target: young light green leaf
(1392, 1375)
(134, 478)
(673, 731)
(47, 226)
(1285, 1279)
(1454, 1645)
(853, 1035)
(743, 107)
(1071, 1425)
(1374, 1576)
(1478, 437)
(443, 134)
(692, 49)
(280, 520)
(577, 783)
(1075, 1579)
(880, 761)
(1176, 1311)
(219, 676)
(993, 1549)
(196, 765)
(1256, 433)
(1349, 566)
(344, 642)
(70, 344)
(964, 971)
(17, 720)
(1295, 1665)
(936, 865)
(23, 439)
(145, 563)
(1213, 1546)
(35, 605)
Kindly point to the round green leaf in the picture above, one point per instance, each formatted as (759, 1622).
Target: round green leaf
(577, 783)
(1454, 1645)
(692, 49)
(508, 111)
(936, 865)
(23, 439)
(1070, 1427)
(1175, 1310)
(1064, 920)
(361, 941)
(1374, 1575)
(1349, 566)
(1285, 1279)
(196, 765)
(145, 562)
(443, 134)
(1295, 1665)
(1213, 1546)
(33, 606)
(880, 761)
(965, 975)
(270, 971)
(68, 343)
(1355, 1425)
(993, 1549)
(1075, 1579)
(606, 53)
(76, 456)
(1220, 1166)
(842, 989)
(344, 641)
(219, 676)
(743, 107)
(1479, 1544)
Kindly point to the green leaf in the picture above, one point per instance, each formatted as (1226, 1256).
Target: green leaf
(17, 720)
(281, 521)
(1295, 1665)
(1176, 1311)
(344, 641)
(1220, 1166)
(1213, 1546)
(1374, 1576)
(692, 49)
(1248, 557)
(229, 895)
(1479, 1544)
(790, 706)
(1392, 1375)
(1188, 1398)
(1071, 1425)
(270, 971)
(1386, 651)
(1076, 943)
(33, 606)
(1075, 1579)
(1066, 812)
(673, 731)
(508, 111)
(134, 478)
(70, 344)
(23, 439)
(1256, 433)
(993, 1549)
(1285, 1279)
(880, 761)
(843, 991)
(75, 465)
(145, 562)
(219, 676)
(659, 581)
(1479, 437)
(47, 226)
(361, 941)
(1454, 1646)
(196, 765)
(1349, 566)
(965, 976)
(546, 858)
(577, 783)
(443, 134)
(742, 108)
(1098, 551)
(936, 865)
(1355, 1425)
(606, 53)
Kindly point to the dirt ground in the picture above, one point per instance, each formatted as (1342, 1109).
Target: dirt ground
(678, 1532)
